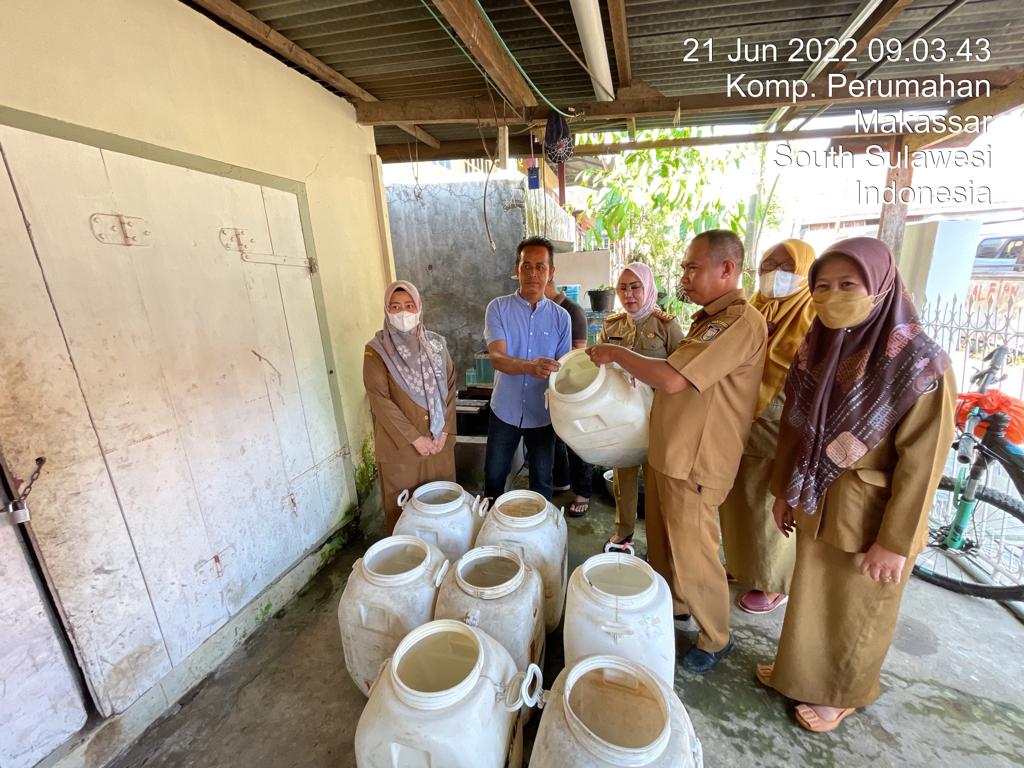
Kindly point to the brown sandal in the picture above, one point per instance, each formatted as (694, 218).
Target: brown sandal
(764, 674)
(808, 718)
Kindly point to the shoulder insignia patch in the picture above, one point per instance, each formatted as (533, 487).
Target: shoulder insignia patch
(615, 318)
(713, 330)
(664, 316)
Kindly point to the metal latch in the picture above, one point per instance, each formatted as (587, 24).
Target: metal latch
(17, 510)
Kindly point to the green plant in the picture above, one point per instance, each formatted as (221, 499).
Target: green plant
(652, 201)
(366, 470)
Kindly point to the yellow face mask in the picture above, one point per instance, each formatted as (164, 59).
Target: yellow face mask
(842, 309)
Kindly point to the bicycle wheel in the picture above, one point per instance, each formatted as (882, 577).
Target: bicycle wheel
(991, 565)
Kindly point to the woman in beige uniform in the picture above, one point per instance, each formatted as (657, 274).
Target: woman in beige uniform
(648, 331)
(756, 554)
(865, 433)
(410, 381)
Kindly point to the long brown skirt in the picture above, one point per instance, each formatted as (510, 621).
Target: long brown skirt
(395, 478)
(756, 554)
(838, 628)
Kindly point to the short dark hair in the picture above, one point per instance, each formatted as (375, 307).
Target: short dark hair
(723, 244)
(536, 241)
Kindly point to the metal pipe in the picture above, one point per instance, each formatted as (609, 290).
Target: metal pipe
(587, 14)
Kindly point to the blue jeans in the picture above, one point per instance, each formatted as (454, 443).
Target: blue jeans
(502, 440)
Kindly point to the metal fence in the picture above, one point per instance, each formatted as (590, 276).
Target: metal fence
(969, 330)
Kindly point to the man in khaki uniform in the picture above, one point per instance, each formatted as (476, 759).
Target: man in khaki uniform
(704, 401)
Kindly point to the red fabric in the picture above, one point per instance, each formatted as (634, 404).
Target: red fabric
(990, 402)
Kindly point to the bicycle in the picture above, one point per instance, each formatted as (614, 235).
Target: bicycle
(975, 534)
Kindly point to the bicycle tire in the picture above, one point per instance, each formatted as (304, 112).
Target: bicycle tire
(1001, 501)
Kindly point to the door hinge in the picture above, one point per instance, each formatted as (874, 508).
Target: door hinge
(313, 266)
(118, 229)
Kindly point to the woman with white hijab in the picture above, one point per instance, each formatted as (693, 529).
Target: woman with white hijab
(410, 382)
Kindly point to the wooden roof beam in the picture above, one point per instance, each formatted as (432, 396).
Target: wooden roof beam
(872, 27)
(478, 110)
(519, 146)
(620, 41)
(239, 18)
(1002, 100)
(475, 31)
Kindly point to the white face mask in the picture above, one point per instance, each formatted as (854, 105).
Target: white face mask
(404, 321)
(778, 284)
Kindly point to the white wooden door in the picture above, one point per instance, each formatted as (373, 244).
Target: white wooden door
(208, 457)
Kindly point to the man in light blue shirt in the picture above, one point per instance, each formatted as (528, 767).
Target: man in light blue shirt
(526, 334)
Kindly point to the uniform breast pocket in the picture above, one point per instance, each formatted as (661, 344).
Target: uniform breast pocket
(855, 506)
(652, 346)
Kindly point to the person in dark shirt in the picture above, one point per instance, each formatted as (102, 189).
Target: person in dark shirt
(570, 470)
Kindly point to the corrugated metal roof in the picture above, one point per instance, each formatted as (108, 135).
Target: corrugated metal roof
(395, 49)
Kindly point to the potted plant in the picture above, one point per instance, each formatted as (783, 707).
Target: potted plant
(602, 298)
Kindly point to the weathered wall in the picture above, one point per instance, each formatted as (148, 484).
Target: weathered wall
(441, 247)
(159, 72)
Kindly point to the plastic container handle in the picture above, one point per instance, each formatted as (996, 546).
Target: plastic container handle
(356, 563)
(485, 504)
(617, 629)
(403, 498)
(439, 575)
(520, 684)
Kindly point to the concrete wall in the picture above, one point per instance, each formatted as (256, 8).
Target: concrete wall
(159, 72)
(440, 245)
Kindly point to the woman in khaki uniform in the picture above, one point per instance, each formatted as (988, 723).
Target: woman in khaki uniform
(648, 331)
(865, 433)
(756, 554)
(410, 382)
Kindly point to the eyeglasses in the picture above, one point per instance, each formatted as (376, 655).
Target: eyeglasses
(631, 288)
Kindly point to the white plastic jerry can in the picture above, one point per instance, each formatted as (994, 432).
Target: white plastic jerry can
(606, 712)
(618, 604)
(493, 589)
(443, 514)
(450, 696)
(601, 412)
(391, 591)
(534, 529)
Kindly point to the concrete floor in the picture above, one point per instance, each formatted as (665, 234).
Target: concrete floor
(952, 689)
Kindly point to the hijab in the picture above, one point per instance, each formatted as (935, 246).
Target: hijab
(416, 360)
(788, 319)
(849, 387)
(646, 277)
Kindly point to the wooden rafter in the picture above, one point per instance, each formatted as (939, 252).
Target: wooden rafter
(620, 41)
(239, 18)
(520, 145)
(1002, 100)
(475, 31)
(478, 110)
(873, 26)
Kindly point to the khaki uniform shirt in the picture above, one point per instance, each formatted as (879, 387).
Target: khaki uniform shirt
(887, 495)
(397, 419)
(698, 434)
(654, 336)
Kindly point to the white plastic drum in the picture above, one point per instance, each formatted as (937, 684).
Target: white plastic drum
(601, 412)
(534, 529)
(617, 604)
(493, 589)
(450, 696)
(443, 514)
(391, 591)
(607, 712)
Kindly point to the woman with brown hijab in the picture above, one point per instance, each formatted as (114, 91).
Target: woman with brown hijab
(865, 433)
(756, 554)
(410, 382)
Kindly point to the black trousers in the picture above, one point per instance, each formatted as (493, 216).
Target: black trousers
(571, 470)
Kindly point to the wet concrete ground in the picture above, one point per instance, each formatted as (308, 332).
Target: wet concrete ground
(953, 689)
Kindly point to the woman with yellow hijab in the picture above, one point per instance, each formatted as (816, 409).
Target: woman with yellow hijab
(756, 553)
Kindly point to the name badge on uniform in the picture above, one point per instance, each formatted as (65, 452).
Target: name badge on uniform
(713, 330)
